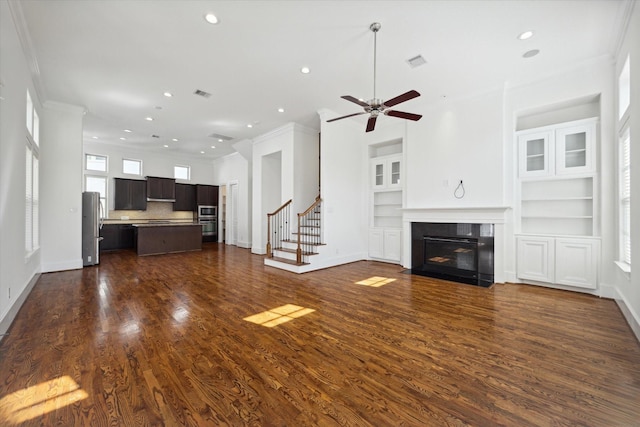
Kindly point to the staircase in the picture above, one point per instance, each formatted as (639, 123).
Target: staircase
(294, 250)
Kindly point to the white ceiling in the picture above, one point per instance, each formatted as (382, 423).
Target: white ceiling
(115, 58)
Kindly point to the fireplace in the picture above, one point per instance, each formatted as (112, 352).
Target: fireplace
(460, 252)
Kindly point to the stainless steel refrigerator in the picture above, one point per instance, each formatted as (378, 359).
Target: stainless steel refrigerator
(91, 224)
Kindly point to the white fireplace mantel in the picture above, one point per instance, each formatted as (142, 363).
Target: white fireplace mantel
(481, 214)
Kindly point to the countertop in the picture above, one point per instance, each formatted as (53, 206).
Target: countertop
(148, 221)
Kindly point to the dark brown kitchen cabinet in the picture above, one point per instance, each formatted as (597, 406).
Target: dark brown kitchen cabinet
(185, 198)
(207, 195)
(117, 236)
(163, 189)
(130, 194)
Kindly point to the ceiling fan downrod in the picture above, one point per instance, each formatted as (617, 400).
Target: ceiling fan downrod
(375, 27)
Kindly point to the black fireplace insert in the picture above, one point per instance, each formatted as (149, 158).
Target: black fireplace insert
(460, 252)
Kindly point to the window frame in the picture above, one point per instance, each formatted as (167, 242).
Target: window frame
(103, 200)
(132, 160)
(93, 171)
(32, 179)
(187, 167)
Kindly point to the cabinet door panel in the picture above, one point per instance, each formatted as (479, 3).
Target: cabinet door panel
(574, 149)
(392, 244)
(535, 156)
(535, 258)
(376, 243)
(576, 262)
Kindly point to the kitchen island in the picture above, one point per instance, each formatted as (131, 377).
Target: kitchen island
(163, 238)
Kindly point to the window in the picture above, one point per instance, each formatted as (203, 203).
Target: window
(132, 167)
(99, 184)
(32, 180)
(93, 162)
(182, 172)
(625, 197)
(624, 89)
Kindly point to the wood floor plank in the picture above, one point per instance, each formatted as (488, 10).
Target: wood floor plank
(162, 340)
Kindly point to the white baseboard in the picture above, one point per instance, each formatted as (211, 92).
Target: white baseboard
(630, 315)
(48, 267)
(7, 318)
(245, 245)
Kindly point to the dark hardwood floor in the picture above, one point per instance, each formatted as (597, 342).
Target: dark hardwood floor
(162, 340)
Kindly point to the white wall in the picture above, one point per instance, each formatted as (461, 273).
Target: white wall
(17, 274)
(344, 182)
(628, 286)
(153, 164)
(457, 140)
(234, 168)
(61, 187)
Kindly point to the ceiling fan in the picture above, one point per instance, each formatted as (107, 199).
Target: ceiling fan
(375, 106)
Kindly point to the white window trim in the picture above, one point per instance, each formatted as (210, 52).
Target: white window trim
(131, 160)
(95, 171)
(187, 167)
(625, 135)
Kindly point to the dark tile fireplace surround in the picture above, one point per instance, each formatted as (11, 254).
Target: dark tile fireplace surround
(460, 252)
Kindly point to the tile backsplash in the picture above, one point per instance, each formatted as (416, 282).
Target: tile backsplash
(155, 210)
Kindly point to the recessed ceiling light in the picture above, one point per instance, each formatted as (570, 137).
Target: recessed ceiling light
(280, 110)
(211, 18)
(305, 70)
(94, 137)
(123, 139)
(530, 53)
(175, 139)
(249, 125)
(220, 140)
(213, 146)
(127, 130)
(202, 152)
(165, 146)
(150, 119)
(168, 94)
(525, 35)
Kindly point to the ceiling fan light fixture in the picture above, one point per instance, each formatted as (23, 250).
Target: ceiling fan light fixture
(525, 35)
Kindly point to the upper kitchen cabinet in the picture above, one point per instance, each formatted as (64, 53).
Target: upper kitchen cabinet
(207, 195)
(185, 198)
(161, 189)
(563, 149)
(130, 194)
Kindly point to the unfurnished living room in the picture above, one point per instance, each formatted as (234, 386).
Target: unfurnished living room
(317, 212)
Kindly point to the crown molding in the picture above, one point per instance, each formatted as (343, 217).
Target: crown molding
(27, 48)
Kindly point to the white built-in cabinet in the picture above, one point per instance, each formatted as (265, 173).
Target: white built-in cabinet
(386, 203)
(558, 228)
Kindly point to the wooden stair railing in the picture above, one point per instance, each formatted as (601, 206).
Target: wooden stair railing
(278, 225)
(309, 226)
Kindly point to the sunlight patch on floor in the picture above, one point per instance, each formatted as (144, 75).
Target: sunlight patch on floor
(29, 403)
(375, 281)
(279, 315)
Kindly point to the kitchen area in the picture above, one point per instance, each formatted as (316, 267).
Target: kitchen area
(151, 216)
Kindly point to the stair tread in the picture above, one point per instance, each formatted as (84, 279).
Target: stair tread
(293, 251)
(288, 261)
(303, 243)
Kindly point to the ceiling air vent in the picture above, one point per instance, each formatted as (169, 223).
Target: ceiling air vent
(202, 93)
(155, 136)
(416, 61)
(220, 137)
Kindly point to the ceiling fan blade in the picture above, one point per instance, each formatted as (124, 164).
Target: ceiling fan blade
(371, 123)
(344, 117)
(401, 98)
(403, 115)
(355, 100)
